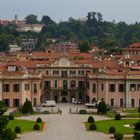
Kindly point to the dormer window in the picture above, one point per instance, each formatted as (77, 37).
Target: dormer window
(11, 68)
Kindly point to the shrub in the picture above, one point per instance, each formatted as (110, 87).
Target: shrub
(11, 117)
(117, 116)
(91, 119)
(93, 127)
(17, 129)
(137, 131)
(27, 108)
(17, 113)
(82, 112)
(39, 120)
(102, 109)
(36, 127)
(139, 110)
(46, 112)
(118, 136)
(112, 129)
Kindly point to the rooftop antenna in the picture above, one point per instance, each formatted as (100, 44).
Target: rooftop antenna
(16, 18)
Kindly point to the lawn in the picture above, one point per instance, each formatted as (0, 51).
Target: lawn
(25, 125)
(103, 126)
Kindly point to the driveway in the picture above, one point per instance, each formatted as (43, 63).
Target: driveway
(64, 127)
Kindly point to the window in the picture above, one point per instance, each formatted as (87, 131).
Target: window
(35, 88)
(121, 102)
(47, 72)
(132, 102)
(55, 83)
(94, 88)
(16, 87)
(6, 87)
(65, 84)
(26, 87)
(111, 87)
(81, 72)
(81, 85)
(47, 84)
(64, 73)
(55, 72)
(73, 83)
(121, 87)
(102, 87)
(112, 102)
(138, 87)
(7, 102)
(34, 101)
(72, 72)
(16, 102)
(132, 87)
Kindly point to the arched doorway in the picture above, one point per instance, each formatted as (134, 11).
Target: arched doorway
(56, 98)
(64, 100)
(87, 99)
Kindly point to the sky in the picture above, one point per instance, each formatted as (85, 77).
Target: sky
(60, 10)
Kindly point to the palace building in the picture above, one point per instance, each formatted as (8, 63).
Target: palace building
(41, 76)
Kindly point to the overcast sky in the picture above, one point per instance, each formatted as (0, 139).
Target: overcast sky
(118, 10)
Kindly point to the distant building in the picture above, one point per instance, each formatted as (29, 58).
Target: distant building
(63, 76)
(29, 44)
(132, 49)
(14, 48)
(29, 27)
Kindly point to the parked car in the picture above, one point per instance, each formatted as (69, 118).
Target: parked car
(77, 102)
(50, 103)
(94, 104)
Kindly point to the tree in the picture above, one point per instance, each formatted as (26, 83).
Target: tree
(27, 107)
(31, 19)
(137, 131)
(84, 46)
(102, 108)
(4, 46)
(47, 20)
(5, 133)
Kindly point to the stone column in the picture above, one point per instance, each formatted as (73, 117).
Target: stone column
(106, 93)
(128, 95)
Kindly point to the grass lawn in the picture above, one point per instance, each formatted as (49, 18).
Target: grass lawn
(25, 125)
(130, 110)
(103, 126)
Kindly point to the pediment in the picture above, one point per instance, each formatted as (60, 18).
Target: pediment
(64, 62)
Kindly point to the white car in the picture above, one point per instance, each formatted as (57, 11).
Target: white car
(50, 103)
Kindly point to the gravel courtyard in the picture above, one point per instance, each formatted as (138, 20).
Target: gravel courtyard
(64, 127)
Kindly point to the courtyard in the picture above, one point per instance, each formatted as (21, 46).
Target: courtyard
(64, 127)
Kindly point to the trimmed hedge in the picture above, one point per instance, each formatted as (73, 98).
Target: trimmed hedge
(91, 119)
(27, 108)
(36, 127)
(82, 112)
(11, 117)
(17, 129)
(39, 120)
(112, 129)
(118, 136)
(102, 108)
(93, 127)
(117, 116)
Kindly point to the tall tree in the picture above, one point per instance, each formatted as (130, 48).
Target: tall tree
(47, 20)
(84, 46)
(4, 43)
(31, 19)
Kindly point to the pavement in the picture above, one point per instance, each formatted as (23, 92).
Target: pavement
(64, 127)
